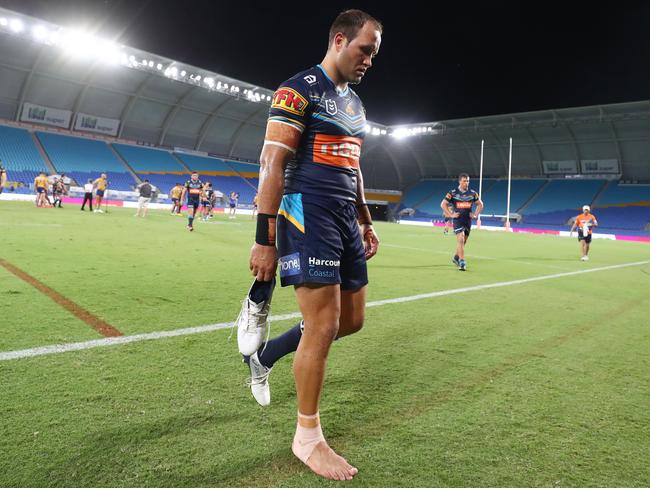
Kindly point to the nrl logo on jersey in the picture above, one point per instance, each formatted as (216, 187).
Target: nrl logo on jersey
(311, 79)
(330, 107)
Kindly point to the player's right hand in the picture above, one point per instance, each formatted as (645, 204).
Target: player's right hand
(455, 215)
(263, 262)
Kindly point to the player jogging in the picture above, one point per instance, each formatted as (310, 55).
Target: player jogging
(192, 189)
(457, 205)
(311, 182)
(585, 223)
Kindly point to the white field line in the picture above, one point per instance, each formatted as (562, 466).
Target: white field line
(474, 256)
(113, 341)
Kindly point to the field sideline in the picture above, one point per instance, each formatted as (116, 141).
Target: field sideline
(540, 382)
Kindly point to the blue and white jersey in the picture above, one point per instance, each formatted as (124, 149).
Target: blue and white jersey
(333, 125)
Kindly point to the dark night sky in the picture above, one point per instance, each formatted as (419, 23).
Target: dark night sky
(456, 61)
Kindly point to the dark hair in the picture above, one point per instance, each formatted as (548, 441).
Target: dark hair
(195, 172)
(463, 175)
(146, 181)
(350, 22)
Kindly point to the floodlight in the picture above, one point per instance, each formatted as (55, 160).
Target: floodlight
(4, 22)
(16, 25)
(183, 73)
(159, 66)
(39, 32)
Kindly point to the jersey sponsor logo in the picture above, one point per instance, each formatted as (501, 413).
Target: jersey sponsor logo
(350, 109)
(342, 151)
(463, 204)
(289, 265)
(324, 262)
(330, 107)
(289, 100)
(311, 79)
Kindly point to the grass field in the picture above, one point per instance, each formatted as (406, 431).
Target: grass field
(539, 383)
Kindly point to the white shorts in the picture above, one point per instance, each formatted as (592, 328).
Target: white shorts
(143, 202)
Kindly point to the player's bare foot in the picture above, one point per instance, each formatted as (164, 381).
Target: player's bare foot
(326, 463)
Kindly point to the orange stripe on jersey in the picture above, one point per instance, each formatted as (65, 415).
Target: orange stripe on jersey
(341, 151)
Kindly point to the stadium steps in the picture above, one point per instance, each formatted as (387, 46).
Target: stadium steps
(539, 191)
(602, 191)
(43, 153)
(128, 167)
(180, 161)
(240, 175)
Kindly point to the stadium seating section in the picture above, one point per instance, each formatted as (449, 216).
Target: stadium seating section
(147, 160)
(20, 157)
(541, 202)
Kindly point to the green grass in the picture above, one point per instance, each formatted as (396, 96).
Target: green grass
(540, 384)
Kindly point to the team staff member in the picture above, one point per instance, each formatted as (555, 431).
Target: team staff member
(88, 195)
(192, 189)
(461, 199)
(176, 193)
(100, 185)
(311, 182)
(585, 223)
(145, 190)
(40, 187)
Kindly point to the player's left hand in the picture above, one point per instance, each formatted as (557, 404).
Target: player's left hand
(370, 240)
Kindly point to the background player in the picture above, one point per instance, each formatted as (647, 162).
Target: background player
(311, 182)
(175, 195)
(3, 177)
(461, 199)
(206, 201)
(40, 187)
(192, 189)
(233, 200)
(100, 185)
(254, 214)
(585, 222)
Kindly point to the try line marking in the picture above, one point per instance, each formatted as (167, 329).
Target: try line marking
(113, 341)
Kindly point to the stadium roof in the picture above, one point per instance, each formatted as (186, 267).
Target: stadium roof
(164, 102)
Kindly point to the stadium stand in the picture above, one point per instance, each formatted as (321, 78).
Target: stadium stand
(20, 157)
(226, 176)
(561, 200)
(204, 163)
(495, 197)
(84, 159)
(148, 160)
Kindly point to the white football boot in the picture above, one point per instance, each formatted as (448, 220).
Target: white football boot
(252, 323)
(259, 381)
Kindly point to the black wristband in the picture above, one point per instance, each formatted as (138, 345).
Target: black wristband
(265, 233)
